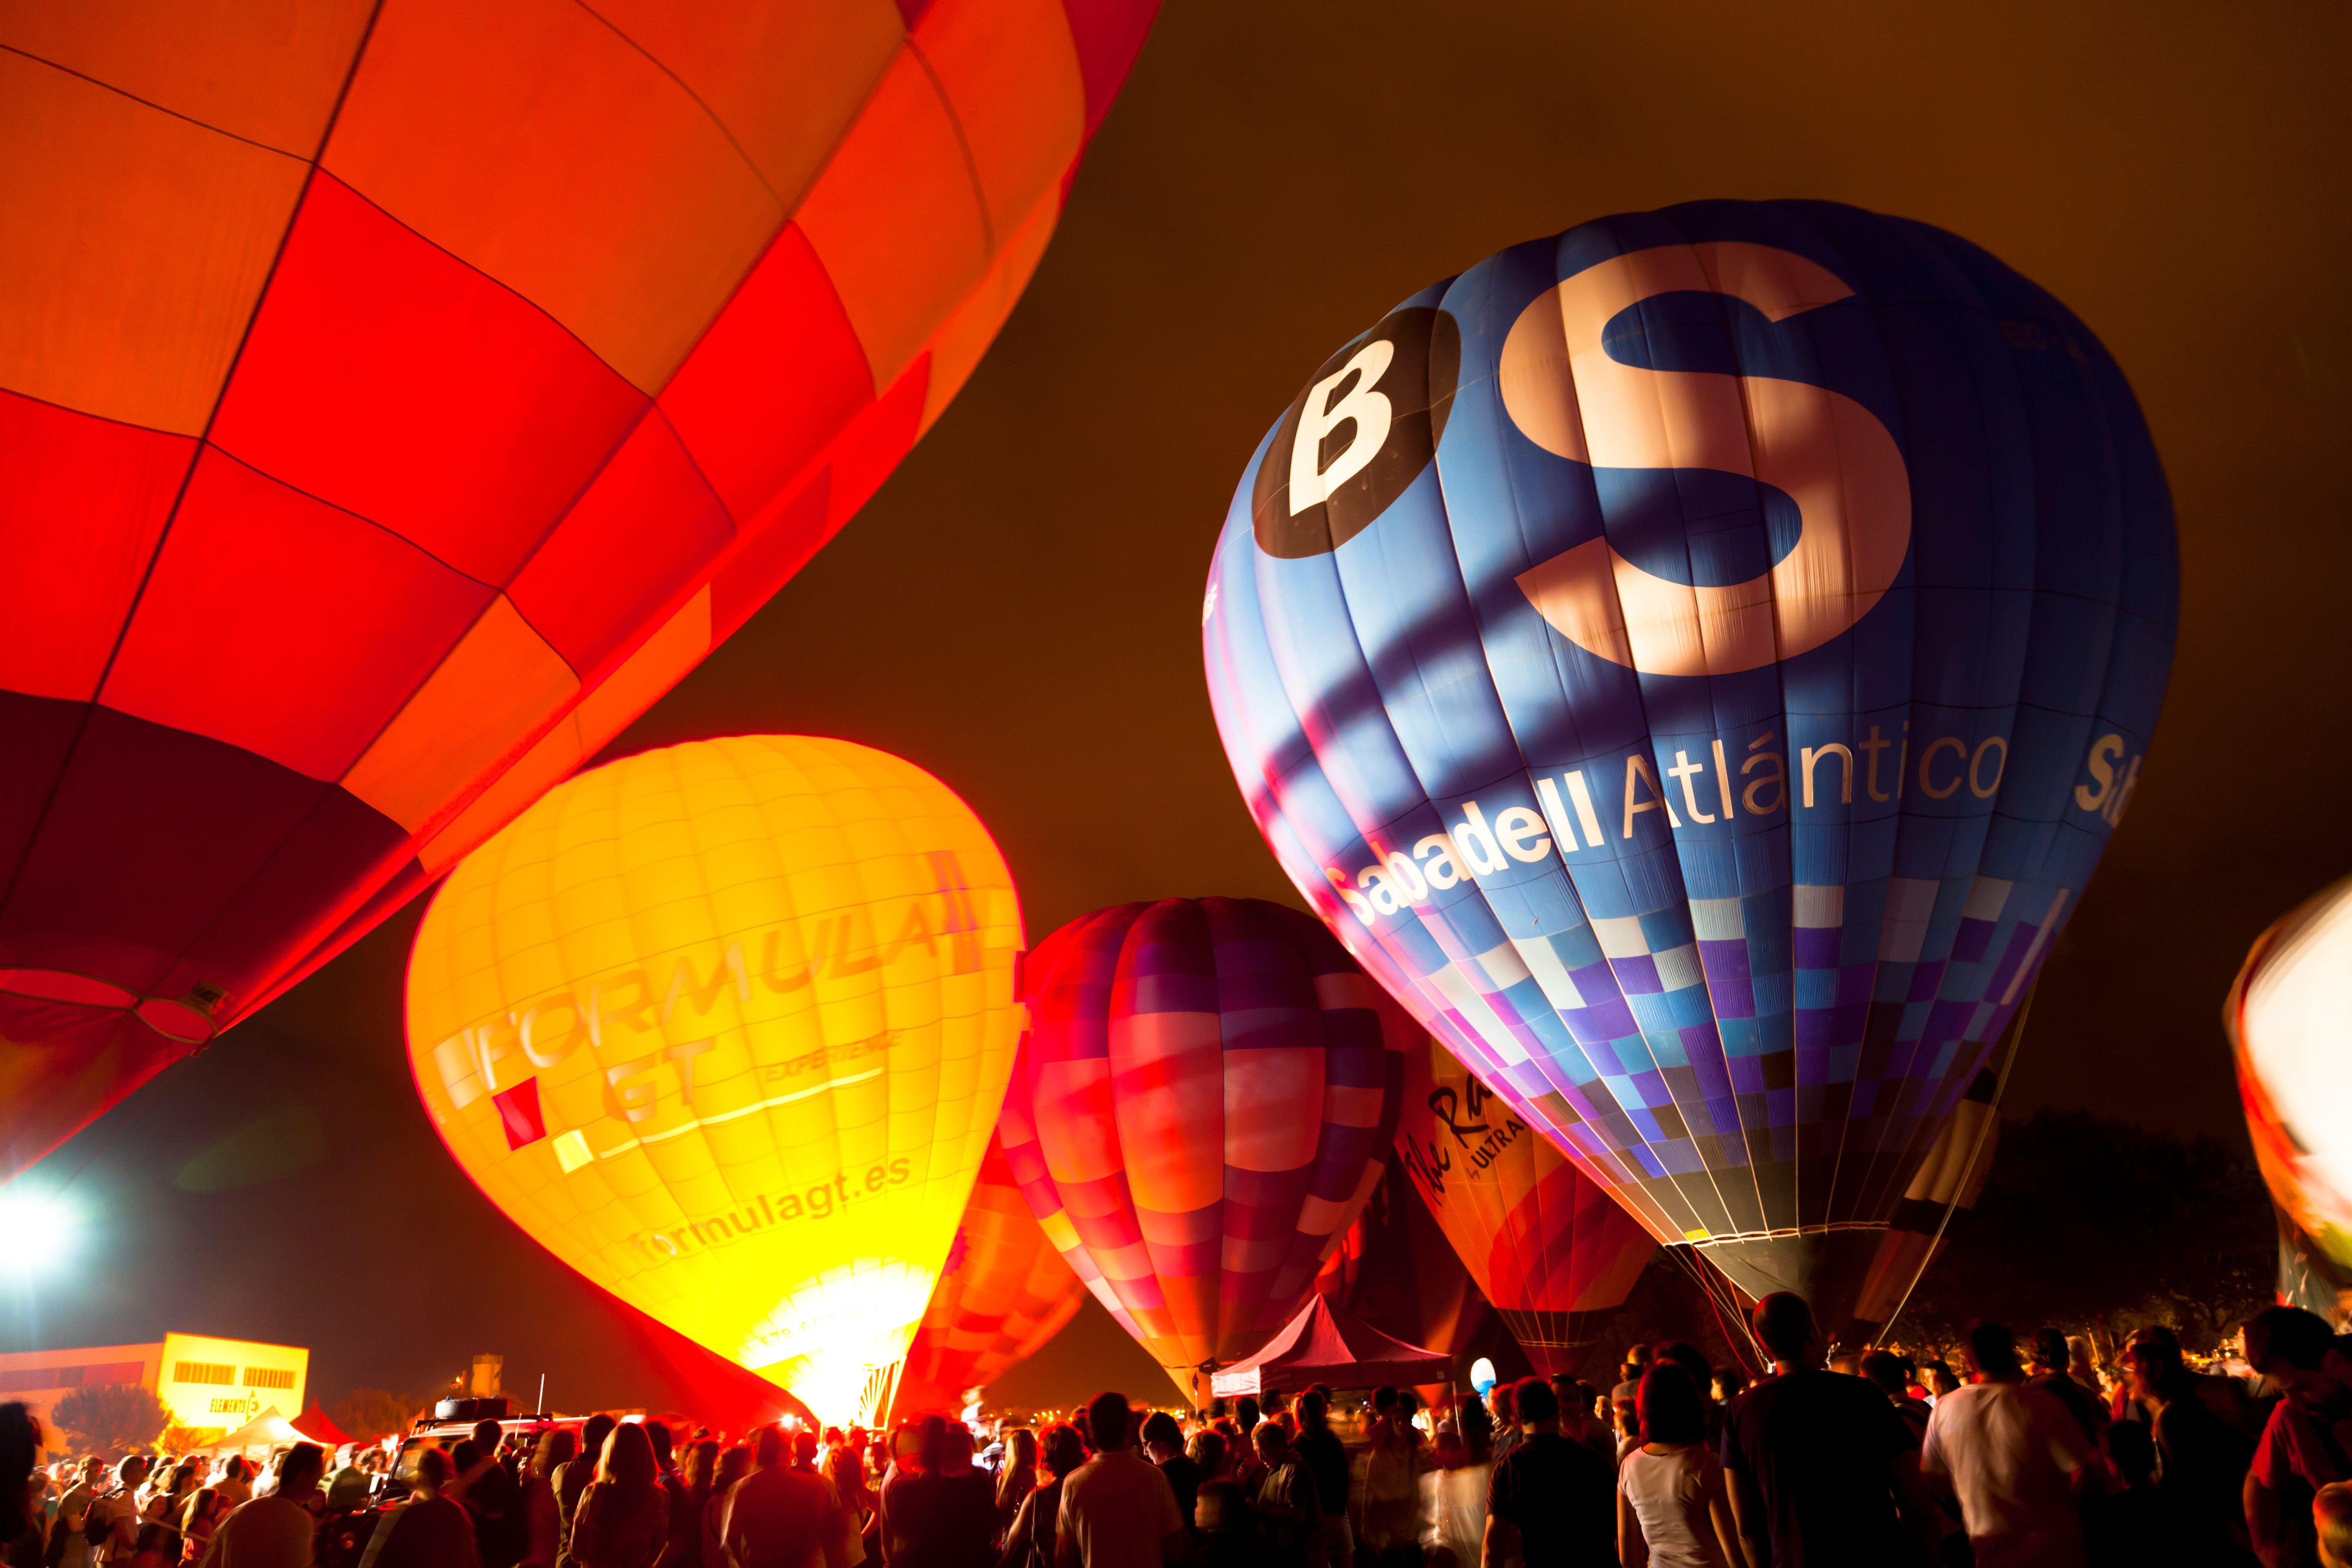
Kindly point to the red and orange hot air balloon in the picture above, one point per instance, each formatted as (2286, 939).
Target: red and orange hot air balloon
(1205, 1099)
(396, 396)
(1548, 1247)
(1003, 1293)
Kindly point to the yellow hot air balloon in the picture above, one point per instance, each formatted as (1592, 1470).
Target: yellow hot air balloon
(726, 1026)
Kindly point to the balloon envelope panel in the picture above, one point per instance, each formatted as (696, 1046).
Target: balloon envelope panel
(725, 1027)
(1695, 662)
(1549, 1247)
(1004, 1293)
(395, 400)
(2287, 1022)
(1205, 1097)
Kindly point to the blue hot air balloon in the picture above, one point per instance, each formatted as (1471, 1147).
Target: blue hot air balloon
(1695, 662)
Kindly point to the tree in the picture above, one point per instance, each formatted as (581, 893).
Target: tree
(373, 1412)
(110, 1418)
(2098, 1226)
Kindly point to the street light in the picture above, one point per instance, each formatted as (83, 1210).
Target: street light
(42, 1228)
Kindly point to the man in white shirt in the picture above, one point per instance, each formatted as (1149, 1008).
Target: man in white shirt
(273, 1532)
(1117, 1510)
(2012, 1455)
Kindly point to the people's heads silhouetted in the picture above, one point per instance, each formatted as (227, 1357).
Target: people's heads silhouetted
(1207, 1449)
(1219, 1507)
(2047, 1350)
(433, 1472)
(1064, 1450)
(592, 1433)
(1020, 1448)
(2286, 1343)
(1991, 1348)
(1384, 1399)
(1476, 1429)
(628, 1460)
(1783, 1323)
(486, 1435)
(556, 1444)
(1314, 1410)
(1537, 1404)
(658, 1434)
(1246, 1409)
(733, 1465)
(701, 1465)
(768, 1447)
(1685, 1355)
(1272, 1441)
(2152, 1355)
(1499, 1399)
(1162, 1439)
(805, 1445)
(1669, 1403)
(1731, 1383)
(301, 1469)
(464, 1453)
(1886, 1370)
(1111, 1422)
(2331, 1518)
(1938, 1378)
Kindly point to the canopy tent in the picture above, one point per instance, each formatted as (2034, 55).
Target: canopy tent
(315, 1424)
(266, 1430)
(1323, 1345)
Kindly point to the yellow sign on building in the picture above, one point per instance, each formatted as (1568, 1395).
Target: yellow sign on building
(212, 1386)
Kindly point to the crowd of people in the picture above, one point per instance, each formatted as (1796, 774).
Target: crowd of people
(2012, 1461)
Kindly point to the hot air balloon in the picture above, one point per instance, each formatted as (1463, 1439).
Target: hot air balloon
(396, 398)
(1203, 1101)
(2289, 1021)
(1694, 662)
(1004, 1293)
(725, 1027)
(1550, 1249)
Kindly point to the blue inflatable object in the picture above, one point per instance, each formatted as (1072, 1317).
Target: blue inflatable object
(1696, 663)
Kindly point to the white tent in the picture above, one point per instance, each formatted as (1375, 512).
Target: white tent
(266, 1430)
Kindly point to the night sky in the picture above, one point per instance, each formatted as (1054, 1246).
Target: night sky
(1018, 610)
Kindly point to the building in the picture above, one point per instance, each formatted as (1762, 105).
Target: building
(210, 1386)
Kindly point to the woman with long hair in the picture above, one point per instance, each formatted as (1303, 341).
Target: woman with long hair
(684, 1549)
(844, 1466)
(1017, 1480)
(207, 1506)
(1029, 1540)
(733, 1465)
(624, 1516)
(1672, 1508)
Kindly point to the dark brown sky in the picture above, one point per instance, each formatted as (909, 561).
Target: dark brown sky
(1018, 610)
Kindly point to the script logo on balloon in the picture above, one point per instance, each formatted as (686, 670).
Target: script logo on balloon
(1362, 431)
(1828, 453)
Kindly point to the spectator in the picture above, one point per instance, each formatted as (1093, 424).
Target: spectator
(2051, 1360)
(1578, 1423)
(782, 1515)
(430, 1529)
(1017, 1476)
(1939, 1380)
(1457, 1529)
(275, 1532)
(114, 1519)
(73, 1515)
(1163, 1444)
(942, 1511)
(2201, 1453)
(1391, 1505)
(733, 1465)
(1116, 1511)
(2135, 1525)
(1228, 1537)
(2012, 1454)
(1731, 1383)
(572, 1478)
(1671, 1506)
(1029, 1543)
(350, 1486)
(844, 1466)
(1891, 1374)
(1822, 1471)
(1506, 1421)
(1551, 1503)
(1289, 1513)
(493, 1501)
(2306, 1445)
(207, 1506)
(623, 1520)
(1326, 1458)
(542, 1526)
(1206, 1448)
(684, 1541)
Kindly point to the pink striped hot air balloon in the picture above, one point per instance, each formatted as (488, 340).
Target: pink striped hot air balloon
(1204, 1099)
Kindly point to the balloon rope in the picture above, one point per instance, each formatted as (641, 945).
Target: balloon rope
(1992, 1120)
